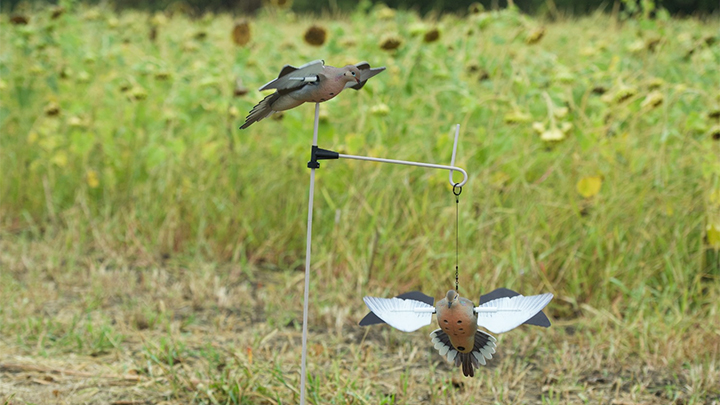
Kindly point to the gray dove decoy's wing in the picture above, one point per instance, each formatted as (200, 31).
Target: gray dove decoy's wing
(366, 73)
(291, 77)
(540, 319)
(372, 319)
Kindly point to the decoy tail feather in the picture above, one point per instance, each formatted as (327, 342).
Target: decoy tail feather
(261, 110)
(468, 368)
(483, 349)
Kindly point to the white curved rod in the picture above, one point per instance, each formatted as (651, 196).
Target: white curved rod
(452, 161)
(407, 163)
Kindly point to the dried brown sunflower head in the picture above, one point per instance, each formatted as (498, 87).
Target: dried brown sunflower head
(432, 35)
(390, 43)
(385, 13)
(65, 72)
(56, 12)
(348, 42)
(476, 8)
(599, 89)
(19, 19)
(240, 89)
(162, 75)
(241, 33)
(714, 113)
(138, 93)
(652, 43)
(283, 4)
(52, 109)
(315, 35)
(654, 99)
(655, 83)
(535, 36)
(715, 132)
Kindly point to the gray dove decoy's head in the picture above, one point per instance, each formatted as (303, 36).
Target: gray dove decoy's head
(451, 297)
(351, 74)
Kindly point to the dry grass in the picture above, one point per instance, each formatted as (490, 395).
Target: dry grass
(128, 334)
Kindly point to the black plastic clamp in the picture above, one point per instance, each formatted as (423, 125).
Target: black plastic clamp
(320, 154)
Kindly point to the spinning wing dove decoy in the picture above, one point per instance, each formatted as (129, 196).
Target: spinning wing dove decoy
(312, 82)
(458, 339)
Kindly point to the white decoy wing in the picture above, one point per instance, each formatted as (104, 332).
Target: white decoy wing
(507, 313)
(403, 314)
(291, 77)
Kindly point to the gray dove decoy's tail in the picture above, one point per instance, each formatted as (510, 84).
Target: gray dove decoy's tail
(261, 110)
(483, 349)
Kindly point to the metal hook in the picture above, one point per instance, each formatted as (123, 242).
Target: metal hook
(457, 189)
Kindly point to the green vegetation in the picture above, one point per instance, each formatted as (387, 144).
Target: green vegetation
(149, 250)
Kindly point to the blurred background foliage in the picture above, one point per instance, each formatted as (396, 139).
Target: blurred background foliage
(550, 7)
(592, 143)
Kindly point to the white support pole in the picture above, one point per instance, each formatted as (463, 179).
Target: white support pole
(306, 298)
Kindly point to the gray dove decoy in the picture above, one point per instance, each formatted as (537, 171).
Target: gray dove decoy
(459, 340)
(312, 82)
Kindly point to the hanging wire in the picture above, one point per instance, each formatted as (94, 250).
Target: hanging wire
(457, 190)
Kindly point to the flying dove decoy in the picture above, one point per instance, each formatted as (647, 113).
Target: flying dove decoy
(458, 339)
(312, 82)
